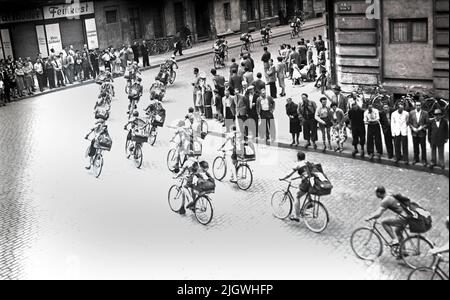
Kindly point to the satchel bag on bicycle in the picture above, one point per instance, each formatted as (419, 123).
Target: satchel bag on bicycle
(418, 218)
(322, 185)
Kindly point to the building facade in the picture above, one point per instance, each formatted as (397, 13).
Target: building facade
(394, 43)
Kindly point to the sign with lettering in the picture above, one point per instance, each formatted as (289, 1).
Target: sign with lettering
(21, 16)
(6, 42)
(1, 50)
(42, 41)
(91, 33)
(343, 7)
(53, 37)
(68, 10)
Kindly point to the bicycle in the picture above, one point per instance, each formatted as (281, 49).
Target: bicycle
(431, 104)
(202, 206)
(367, 243)
(96, 161)
(133, 147)
(218, 61)
(433, 273)
(188, 42)
(265, 40)
(313, 212)
(247, 45)
(295, 32)
(244, 173)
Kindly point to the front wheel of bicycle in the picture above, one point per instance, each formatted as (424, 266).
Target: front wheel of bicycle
(316, 217)
(203, 210)
(366, 244)
(138, 156)
(244, 177)
(424, 274)
(219, 168)
(175, 198)
(414, 252)
(172, 160)
(281, 205)
(153, 135)
(97, 165)
(173, 77)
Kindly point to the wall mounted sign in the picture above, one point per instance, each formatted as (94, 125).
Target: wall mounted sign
(68, 10)
(91, 33)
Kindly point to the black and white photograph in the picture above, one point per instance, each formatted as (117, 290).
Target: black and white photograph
(224, 140)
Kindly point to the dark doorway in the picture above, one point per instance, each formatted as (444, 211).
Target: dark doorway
(292, 6)
(158, 20)
(202, 18)
(179, 16)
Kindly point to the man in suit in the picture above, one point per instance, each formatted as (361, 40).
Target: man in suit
(385, 121)
(144, 52)
(418, 122)
(338, 98)
(242, 106)
(438, 137)
(235, 83)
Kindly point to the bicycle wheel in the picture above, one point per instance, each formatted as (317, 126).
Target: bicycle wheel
(127, 146)
(203, 210)
(175, 198)
(316, 217)
(281, 205)
(414, 252)
(366, 244)
(219, 168)
(173, 77)
(138, 156)
(216, 62)
(97, 165)
(153, 135)
(424, 274)
(244, 177)
(172, 160)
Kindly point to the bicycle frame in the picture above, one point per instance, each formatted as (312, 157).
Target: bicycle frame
(308, 197)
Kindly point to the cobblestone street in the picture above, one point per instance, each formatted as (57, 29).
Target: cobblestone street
(58, 221)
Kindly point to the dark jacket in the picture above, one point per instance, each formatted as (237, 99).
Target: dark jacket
(259, 86)
(415, 123)
(385, 121)
(438, 136)
(356, 118)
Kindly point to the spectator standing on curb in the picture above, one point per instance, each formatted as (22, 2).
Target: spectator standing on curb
(2, 93)
(385, 120)
(144, 52)
(50, 72)
(372, 120)
(399, 128)
(281, 75)
(39, 70)
(57, 65)
(323, 117)
(135, 49)
(358, 127)
(307, 112)
(265, 108)
(418, 122)
(438, 138)
(295, 126)
(272, 79)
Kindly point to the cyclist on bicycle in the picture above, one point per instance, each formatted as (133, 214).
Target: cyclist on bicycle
(247, 39)
(219, 50)
(99, 129)
(265, 33)
(134, 122)
(301, 167)
(443, 249)
(170, 63)
(232, 138)
(399, 222)
(192, 167)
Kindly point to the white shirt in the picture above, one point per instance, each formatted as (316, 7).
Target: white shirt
(371, 117)
(265, 104)
(399, 123)
(38, 68)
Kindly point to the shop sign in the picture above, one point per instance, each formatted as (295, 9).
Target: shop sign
(21, 16)
(68, 10)
(91, 34)
(344, 7)
(6, 42)
(53, 37)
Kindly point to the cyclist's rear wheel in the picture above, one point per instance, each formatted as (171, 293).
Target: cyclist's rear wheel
(378, 103)
(127, 146)
(138, 156)
(414, 252)
(244, 177)
(216, 62)
(366, 244)
(203, 210)
(97, 165)
(172, 160)
(153, 135)
(219, 168)
(316, 217)
(175, 197)
(425, 274)
(281, 205)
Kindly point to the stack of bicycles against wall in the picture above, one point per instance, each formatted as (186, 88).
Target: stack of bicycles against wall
(320, 184)
(419, 219)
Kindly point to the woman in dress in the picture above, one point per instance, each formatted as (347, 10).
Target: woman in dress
(339, 129)
(295, 127)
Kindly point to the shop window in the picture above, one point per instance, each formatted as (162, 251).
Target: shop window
(135, 23)
(227, 11)
(409, 31)
(111, 16)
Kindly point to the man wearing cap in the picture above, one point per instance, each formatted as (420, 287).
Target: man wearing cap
(219, 82)
(307, 110)
(438, 138)
(418, 122)
(399, 128)
(338, 98)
